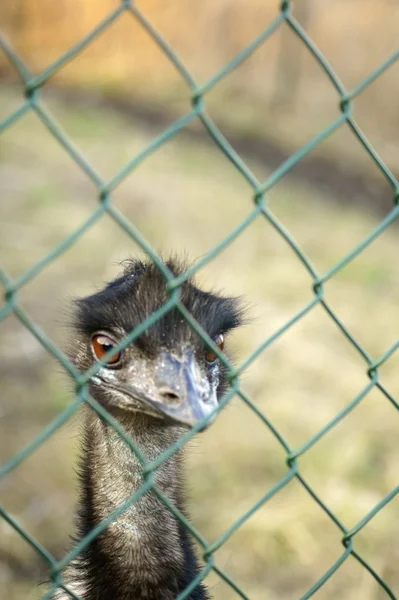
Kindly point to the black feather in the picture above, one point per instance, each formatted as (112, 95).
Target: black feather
(128, 300)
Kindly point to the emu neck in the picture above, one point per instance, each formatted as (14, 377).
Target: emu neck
(141, 554)
(115, 471)
(144, 554)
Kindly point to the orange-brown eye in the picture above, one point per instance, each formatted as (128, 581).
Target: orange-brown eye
(209, 354)
(101, 344)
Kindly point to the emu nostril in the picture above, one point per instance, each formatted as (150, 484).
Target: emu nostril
(169, 396)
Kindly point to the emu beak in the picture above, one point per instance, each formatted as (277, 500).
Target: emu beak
(184, 393)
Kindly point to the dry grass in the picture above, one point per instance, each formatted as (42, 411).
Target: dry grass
(187, 198)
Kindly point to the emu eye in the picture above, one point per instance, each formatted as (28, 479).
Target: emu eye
(209, 354)
(101, 344)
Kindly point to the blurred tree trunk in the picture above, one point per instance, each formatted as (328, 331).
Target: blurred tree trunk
(14, 15)
(288, 71)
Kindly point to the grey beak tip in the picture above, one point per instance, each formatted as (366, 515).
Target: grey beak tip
(181, 392)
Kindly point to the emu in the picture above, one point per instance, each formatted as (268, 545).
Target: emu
(162, 383)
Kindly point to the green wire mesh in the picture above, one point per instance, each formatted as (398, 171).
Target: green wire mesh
(259, 208)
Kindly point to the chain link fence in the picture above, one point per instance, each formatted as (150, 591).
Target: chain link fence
(257, 209)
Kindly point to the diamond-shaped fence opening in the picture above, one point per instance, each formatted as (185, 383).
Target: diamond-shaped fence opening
(257, 208)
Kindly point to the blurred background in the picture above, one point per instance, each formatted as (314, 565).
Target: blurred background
(112, 100)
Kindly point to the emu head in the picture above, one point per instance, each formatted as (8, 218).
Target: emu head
(168, 372)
